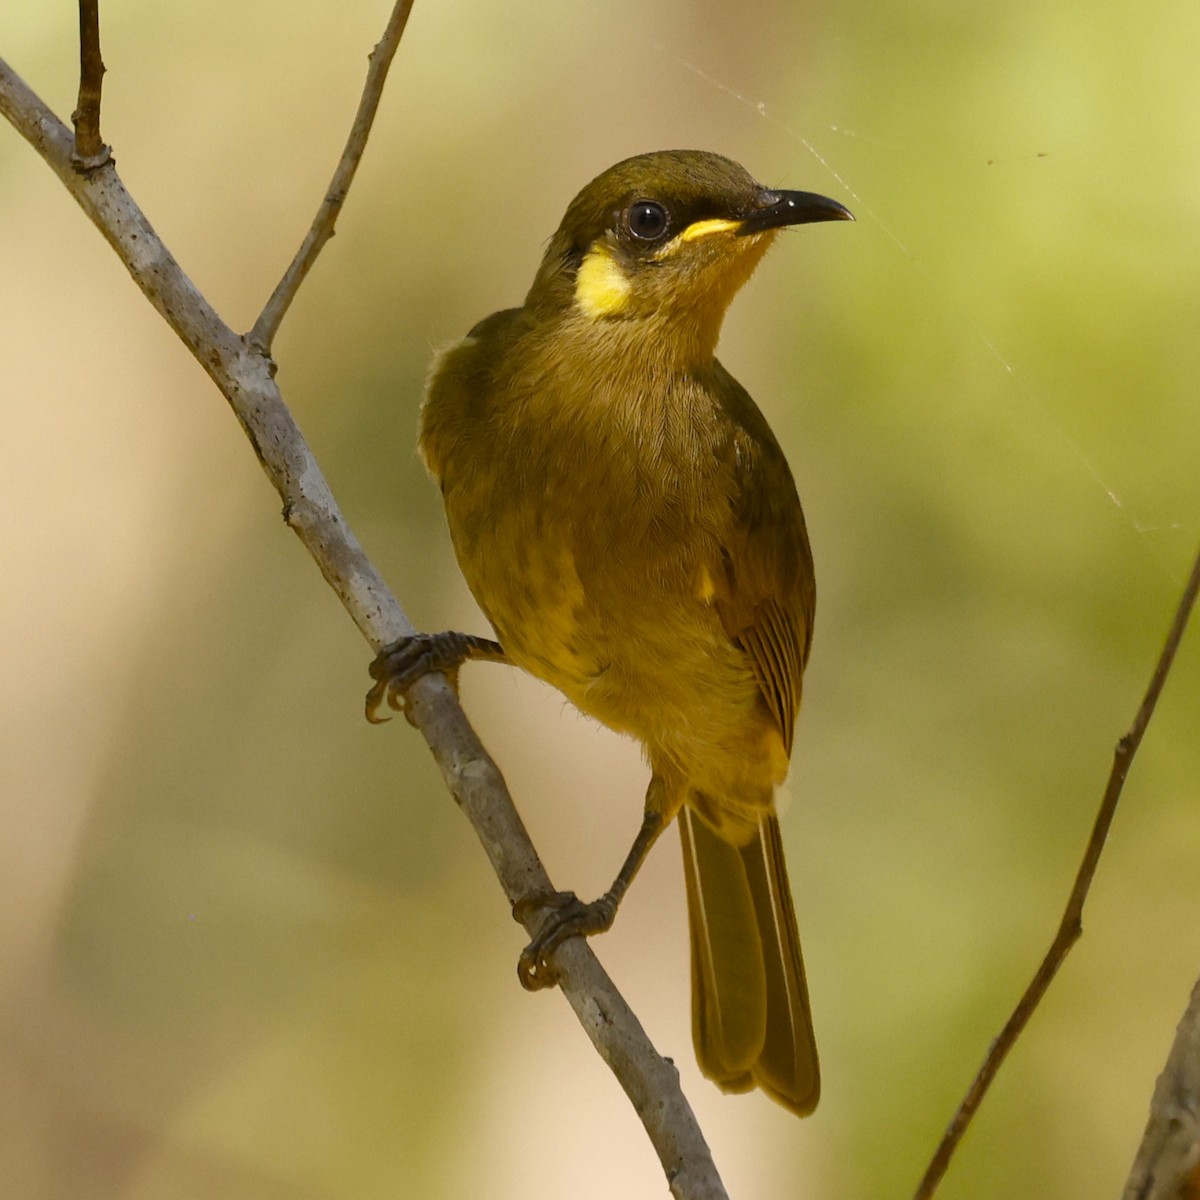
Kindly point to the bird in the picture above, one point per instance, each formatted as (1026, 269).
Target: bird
(629, 526)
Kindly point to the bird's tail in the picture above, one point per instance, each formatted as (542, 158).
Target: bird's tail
(750, 1013)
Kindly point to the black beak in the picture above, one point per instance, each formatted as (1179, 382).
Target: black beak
(777, 209)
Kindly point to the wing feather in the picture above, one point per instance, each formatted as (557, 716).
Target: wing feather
(776, 655)
(766, 597)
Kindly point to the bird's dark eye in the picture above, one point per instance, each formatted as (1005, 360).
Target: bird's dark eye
(646, 220)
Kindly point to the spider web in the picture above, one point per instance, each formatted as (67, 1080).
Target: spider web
(1143, 528)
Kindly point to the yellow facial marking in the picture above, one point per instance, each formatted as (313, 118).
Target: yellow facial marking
(601, 287)
(700, 229)
(705, 589)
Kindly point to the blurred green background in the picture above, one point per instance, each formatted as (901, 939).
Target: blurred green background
(248, 947)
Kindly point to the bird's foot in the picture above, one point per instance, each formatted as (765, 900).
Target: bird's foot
(398, 666)
(568, 916)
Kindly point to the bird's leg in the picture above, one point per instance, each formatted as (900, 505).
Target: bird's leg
(569, 916)
(398, 666)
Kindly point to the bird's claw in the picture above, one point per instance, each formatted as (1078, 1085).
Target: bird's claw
(567, 917)
(399, 665)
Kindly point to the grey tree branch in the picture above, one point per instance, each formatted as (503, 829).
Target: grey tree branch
(1167, 1166)
(380, 59)
(245, 375)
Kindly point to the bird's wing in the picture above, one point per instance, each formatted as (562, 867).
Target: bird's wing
(766, 597)
(773, 642)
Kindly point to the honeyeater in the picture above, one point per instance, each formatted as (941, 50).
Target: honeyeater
(629, 526)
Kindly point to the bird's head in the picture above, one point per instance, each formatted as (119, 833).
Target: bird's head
(666, 238)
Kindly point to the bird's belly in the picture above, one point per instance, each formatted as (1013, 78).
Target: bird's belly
(625, 634)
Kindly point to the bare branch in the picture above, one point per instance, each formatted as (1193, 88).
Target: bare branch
(90, 152)
(1167, 1166)
(262, 336)
(245, 375)
(1071, 926)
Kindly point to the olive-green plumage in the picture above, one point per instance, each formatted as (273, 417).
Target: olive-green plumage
(629, 525)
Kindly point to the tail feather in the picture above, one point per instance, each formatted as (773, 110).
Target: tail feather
(750, 1012)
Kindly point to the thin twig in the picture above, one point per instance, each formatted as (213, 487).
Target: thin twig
(245, 375)
(262, 336)
(1071, 926)
(1167, 1166)
(90, 152)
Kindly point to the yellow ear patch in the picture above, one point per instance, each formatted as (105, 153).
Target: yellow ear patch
(601, 287)
(700, 229)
